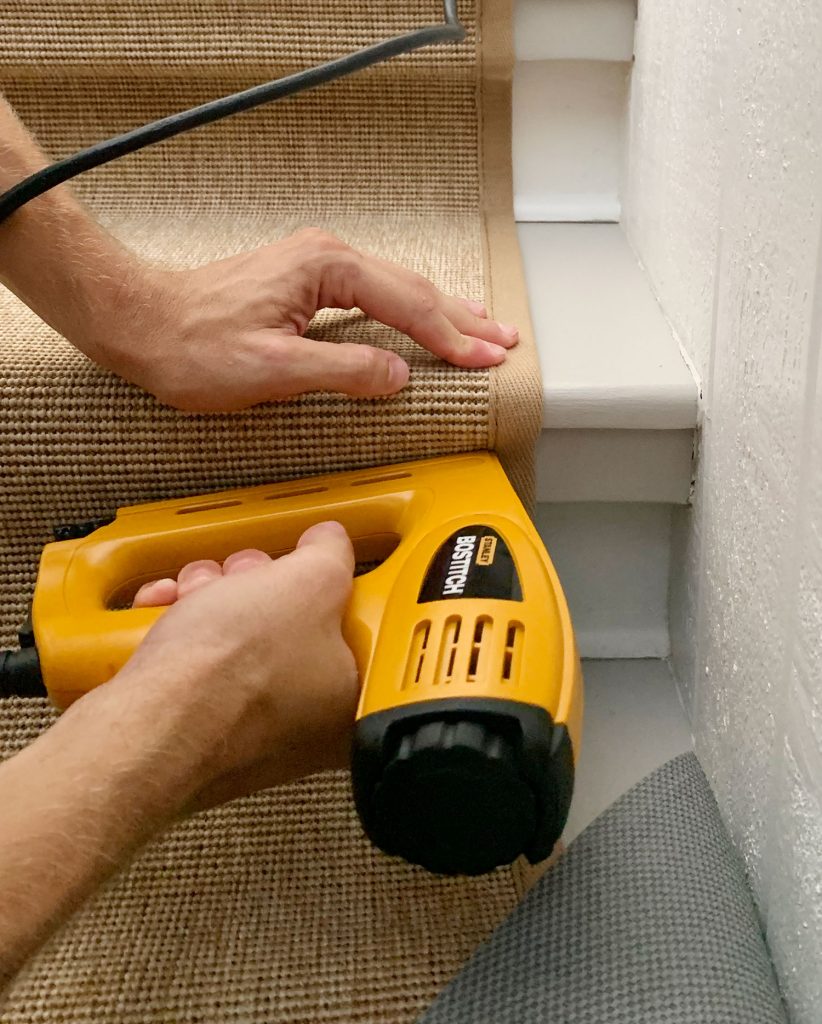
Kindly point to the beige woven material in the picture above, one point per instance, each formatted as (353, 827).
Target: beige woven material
(274, 908)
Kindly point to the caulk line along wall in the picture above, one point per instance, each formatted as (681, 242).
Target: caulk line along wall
(724, 207)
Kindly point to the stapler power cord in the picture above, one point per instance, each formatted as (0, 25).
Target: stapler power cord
(450, 30)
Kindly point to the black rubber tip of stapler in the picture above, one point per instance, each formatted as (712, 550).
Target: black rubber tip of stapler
(454, 801)
(462, 786)
(20, 674)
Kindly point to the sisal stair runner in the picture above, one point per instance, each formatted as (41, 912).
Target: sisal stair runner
(274, 908)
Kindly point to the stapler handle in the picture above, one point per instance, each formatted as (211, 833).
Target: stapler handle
(85, 626)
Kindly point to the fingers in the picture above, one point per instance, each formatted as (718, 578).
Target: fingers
(301, 365)
(477, 308)
(362, 371)
(155, 594)
(473, 324)
(197, 574)
(330, 572)
(330, 538)
(451, 328)
(440, 336)
(243, 561)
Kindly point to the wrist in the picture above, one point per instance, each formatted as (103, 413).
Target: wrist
(81, 280)
(158, 746)
(213, 716)
(103, 318)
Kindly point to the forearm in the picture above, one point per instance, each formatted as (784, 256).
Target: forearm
(53, 254)
(244, 683)
(79, 801)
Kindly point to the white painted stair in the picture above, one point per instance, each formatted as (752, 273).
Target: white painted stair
(615, 453)
(619, 403)
(570, 96)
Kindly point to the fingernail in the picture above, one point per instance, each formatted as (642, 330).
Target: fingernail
(494, 353)
(510, 330)
(398, 372)
(332, 526)
(477, 308)
(200, 577)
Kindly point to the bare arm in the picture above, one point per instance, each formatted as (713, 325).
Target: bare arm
(76, 804)
(202, 713)
(53, 255)
(229, 334)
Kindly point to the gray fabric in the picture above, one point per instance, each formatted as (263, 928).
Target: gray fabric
(648, 919)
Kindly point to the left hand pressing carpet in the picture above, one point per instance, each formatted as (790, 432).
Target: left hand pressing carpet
(229, 334)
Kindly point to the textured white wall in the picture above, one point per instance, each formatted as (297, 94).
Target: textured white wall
(723, 203)
(671, 194)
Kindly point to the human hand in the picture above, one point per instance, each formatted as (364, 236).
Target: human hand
(246, 682)
(230, 334)
(252, 663)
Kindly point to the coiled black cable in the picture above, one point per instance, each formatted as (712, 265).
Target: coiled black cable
(451, 30)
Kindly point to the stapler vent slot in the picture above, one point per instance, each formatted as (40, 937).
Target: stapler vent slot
(416, 656)
(511, 654)
(295, 492)
(462, 652)
(480, 642)
(449, 644)
(379, 479)
(207, 507)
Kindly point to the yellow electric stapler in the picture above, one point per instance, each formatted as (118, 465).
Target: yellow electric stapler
(470, 714)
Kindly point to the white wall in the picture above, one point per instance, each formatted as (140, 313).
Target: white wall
(723, 203)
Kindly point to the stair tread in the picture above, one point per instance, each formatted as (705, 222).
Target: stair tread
(170, 35)
(609, 358)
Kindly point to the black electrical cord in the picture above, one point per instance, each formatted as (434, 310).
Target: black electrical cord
(167, 127)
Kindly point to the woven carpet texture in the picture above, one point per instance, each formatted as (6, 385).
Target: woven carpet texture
(647, 919)
(273, 908)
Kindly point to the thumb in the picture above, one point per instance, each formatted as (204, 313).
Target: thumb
(332, 544)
